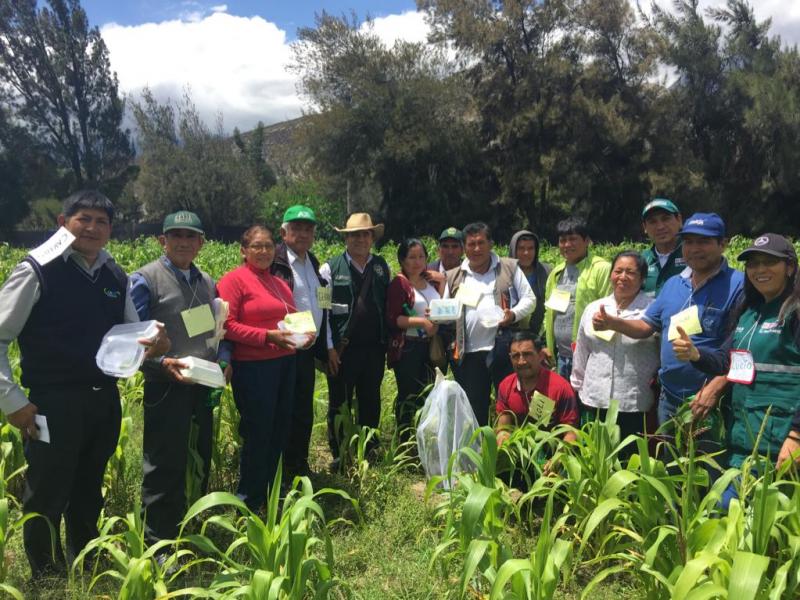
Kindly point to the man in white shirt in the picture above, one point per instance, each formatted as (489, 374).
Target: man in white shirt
(483, 282)
(296, 264)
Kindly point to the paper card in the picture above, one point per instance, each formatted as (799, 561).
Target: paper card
(689, 319)
(558, 301)
(541, 408)
(468, 296)
(324, 297)
(742, 369)
(300, 322)
(44, 432)
(606, 335)
(53, 247)
(198, 320)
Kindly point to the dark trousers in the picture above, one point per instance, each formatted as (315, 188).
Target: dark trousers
(169, 410)
(413, 372)
(65, 476)
(361, 371)
(499, 360)
(264, 392)
(295, 454)
(473, 376)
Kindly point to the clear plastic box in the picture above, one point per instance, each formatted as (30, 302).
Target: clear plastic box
(120, 354)
(204, 372)
(445, 310)
(490, 316)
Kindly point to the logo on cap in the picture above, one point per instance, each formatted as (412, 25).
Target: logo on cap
(183, 217)
(696, 222)
(452, 230)
(763, 240)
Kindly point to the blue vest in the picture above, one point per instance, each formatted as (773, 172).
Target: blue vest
(63, 333)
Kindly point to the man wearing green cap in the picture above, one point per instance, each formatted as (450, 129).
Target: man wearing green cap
(662, 221)
(174, 291)
(296, 264)
(451, 250)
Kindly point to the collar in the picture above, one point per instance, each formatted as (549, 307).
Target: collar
(494, 261)
(355, 264)
(293, 257)
(580, 265)
(687, 273)
(518, 385)
(194, 272)
(102, 258)
(255, 270)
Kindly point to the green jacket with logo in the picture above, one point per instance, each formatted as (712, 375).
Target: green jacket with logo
(343, 293)
(658, 275)
(593, 283)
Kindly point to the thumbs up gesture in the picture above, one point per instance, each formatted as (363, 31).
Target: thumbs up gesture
(683, 347)
(601, 321)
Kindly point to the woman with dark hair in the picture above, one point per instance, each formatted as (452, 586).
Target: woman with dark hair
(407, 300)
(761, 357)
(610, 365)
(263, 361)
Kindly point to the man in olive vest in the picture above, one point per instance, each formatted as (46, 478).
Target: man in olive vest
(484, 282)
(174, 291)
(357, 348)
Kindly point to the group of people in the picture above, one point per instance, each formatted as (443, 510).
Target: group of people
(557, 344)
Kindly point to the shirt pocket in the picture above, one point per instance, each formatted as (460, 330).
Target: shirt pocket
(712, 321)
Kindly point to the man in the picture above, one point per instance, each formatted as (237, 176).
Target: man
(451, 250)
(662, 223)
(582, 278)
(174, 291)
(482, 282)
(296, 264)
(58, 303)
(702, 296)
(357, 345)
(516, 392)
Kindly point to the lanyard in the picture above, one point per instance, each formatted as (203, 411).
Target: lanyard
(270, 286)
(751, 332)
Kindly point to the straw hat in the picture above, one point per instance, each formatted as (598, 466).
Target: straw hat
(361, 222)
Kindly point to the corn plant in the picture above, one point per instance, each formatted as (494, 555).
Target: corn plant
(226, 443)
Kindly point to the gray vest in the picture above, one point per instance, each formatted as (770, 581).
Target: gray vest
(168, 298)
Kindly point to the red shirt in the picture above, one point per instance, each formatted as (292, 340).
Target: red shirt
(256, 301)
(511, 398)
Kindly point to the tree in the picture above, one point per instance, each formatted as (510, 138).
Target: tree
(186, 165)
(64, 91)
(252, 148)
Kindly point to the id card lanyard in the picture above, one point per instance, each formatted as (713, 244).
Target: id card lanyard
(743, 369)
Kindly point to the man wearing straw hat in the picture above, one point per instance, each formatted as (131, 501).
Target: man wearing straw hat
(357, 346)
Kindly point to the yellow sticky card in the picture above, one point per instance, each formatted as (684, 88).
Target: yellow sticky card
(558, 301)
(324, 297)
(198, 320)
(468, 296)
(300, 322)
(606, 335)
(689, 319)
(541, 408)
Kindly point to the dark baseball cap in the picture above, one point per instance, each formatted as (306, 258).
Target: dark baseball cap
(660, 204)
(772, 244)
(183, 219)
(451, 233)
(705, 224)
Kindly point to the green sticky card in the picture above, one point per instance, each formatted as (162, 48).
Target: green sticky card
(300, 322)
(198, 320)
(541, 408)
(324, 297)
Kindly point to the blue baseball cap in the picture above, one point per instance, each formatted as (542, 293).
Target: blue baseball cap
(705, 224)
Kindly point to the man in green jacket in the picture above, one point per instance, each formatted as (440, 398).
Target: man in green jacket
(662, 221)
(582, 278)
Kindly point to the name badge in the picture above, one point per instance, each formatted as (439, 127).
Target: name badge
(468, 296)
(53, 247)
(743, 369)
(688, 319)
(324, 297)
(541, 408)
(300, 322)
(198, 320)
(558, 301)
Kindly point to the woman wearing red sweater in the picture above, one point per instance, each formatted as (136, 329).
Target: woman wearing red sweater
(263, 362)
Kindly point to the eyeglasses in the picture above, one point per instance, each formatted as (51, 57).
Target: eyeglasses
(261, 247)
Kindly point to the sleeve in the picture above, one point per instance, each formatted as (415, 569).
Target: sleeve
(230, 290)
(715, 361)
(652, 315)
(501, 402)
(567, 412)
(527, 300)
(395, 298)
(225, 351)
(580, 356)
(139, 292)
(325, 273)
(17, 297)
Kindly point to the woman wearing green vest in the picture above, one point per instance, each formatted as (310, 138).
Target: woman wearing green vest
(760, 358)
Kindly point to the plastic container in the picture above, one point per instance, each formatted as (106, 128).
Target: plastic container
(120, 353)
(445, 310)
(490, 316)
(298, 340)
(204, 372)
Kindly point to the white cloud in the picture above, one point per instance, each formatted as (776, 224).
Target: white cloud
(409, 26)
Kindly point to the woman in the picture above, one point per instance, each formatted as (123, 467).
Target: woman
(761, 357)
(407, 300)
(263, 361)
(610, 365)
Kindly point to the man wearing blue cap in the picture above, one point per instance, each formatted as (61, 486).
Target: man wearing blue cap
(700, 299)
(662, 222)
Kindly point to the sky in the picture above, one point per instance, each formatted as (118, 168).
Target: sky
(232, 55)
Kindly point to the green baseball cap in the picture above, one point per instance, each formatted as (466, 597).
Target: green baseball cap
(451, 233)
(660, 204)
(183, 219)
(298, 212)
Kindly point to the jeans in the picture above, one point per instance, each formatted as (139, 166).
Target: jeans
(668, 405)
(295, 454)
(413, 372)
(565, 366)
(473, 376)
